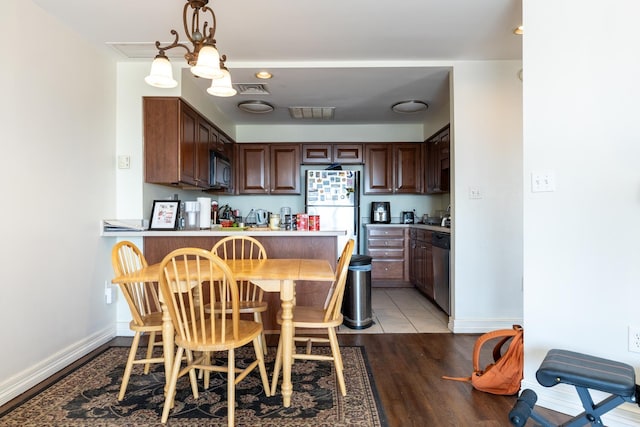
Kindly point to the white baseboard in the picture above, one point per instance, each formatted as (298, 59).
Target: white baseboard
(480, 326)
(23, 381)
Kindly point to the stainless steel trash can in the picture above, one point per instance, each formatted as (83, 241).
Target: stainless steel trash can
(356, 305)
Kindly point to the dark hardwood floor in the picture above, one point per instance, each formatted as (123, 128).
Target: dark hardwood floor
(407, 370)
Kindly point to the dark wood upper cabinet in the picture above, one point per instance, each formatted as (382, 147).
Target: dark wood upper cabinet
(325, 154)
(393, 168)
(268, 168)
(285, 168)
(317, 154)
(408, 168)
(177, 143)
(253, 167)
(378, 169)
(347, 153)
(437, 171)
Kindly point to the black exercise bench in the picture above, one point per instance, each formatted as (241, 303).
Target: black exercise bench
(584, 372)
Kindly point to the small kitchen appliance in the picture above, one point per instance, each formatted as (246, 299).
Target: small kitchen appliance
(219, 171)
(193, 215)
(380, 212)
(408, 217)
(262, 217)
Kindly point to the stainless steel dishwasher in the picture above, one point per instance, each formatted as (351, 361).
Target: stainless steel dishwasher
(441, 245)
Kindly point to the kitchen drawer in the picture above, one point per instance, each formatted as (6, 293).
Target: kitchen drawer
(385, 243)
(386, 253)
(397, 232)
(423, 235)
(393, 270)
(420, 234)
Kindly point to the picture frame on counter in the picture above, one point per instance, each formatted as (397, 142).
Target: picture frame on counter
(164, 215)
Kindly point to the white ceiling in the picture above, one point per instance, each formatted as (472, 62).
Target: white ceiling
(360, 56)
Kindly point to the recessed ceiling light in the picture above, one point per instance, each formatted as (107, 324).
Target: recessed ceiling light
(519, 30)
(255, 107)
(264, 75)
(408, 107)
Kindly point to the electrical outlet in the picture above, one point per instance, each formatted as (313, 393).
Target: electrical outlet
(108, 293)
(634, 339)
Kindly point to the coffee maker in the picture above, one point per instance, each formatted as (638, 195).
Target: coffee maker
(380, 212)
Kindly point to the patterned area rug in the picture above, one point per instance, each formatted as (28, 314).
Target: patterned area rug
(88, 396)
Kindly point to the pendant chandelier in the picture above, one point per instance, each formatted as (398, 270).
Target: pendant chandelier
(203, 57)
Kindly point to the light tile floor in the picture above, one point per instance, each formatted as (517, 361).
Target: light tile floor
(402, 310)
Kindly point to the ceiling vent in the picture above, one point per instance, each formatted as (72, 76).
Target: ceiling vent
(251, 88)
(317, 113)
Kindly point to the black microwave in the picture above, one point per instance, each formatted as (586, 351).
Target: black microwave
(219, 171)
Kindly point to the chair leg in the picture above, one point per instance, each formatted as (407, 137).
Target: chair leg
(337, 359)
(231, 389)
(276, 368)
(168, 400)
(129, 366)
(152, 341)
(207, 373)
(192, 375)
(263, 369)
(263, 341)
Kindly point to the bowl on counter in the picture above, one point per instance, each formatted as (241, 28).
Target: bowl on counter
(226, 223)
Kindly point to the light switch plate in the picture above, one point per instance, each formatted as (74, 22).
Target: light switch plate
(124, 162)
(543, 181)
(475, 193)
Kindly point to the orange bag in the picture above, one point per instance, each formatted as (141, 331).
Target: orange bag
(505, 374)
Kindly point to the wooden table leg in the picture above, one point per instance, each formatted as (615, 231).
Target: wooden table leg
(287, 295)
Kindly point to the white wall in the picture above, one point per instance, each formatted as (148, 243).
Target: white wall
(581, 250)
(487, 232)
(58, 182)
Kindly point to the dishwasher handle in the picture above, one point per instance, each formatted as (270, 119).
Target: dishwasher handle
(441, 240)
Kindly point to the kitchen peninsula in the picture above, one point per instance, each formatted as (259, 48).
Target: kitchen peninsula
(278, 244)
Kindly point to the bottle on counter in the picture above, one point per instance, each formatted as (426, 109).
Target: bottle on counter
(274, 221)
(182, 221)
(214, 213)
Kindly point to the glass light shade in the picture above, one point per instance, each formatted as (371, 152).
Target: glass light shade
(222, 86)
(208, 65)
(409, 107)
(161, 74)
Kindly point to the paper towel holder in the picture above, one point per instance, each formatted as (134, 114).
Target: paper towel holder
(205, 212)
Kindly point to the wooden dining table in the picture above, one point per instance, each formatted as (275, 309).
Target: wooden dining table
(271, 275)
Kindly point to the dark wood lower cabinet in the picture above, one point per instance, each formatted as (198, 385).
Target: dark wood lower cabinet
(421, 261)
(387, 247)
(307, 292)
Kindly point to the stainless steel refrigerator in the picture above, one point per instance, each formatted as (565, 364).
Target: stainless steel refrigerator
(334, 195)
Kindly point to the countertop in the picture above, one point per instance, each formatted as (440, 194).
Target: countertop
(422, 226)
(220, 231)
